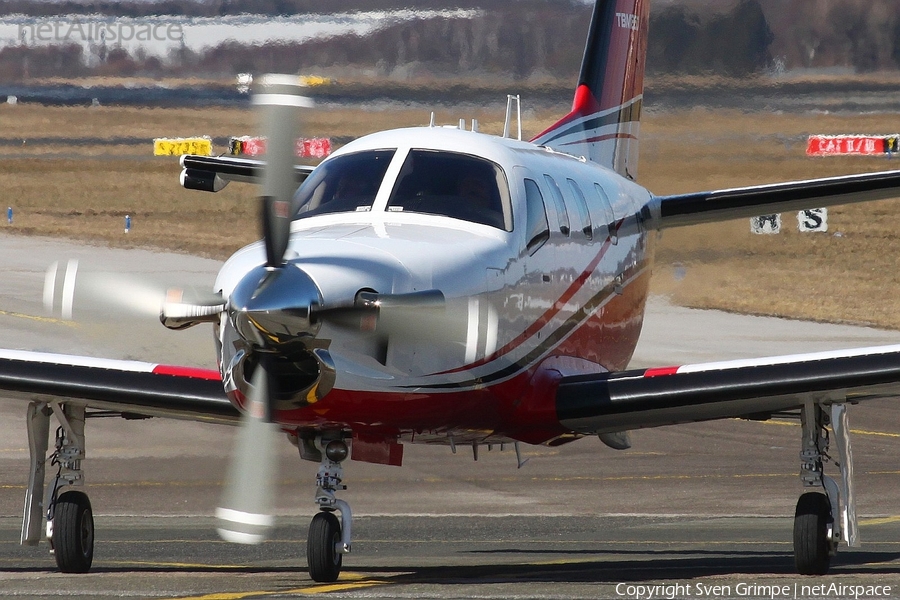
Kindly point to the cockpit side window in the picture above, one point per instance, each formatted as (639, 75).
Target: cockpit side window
(346, 183)
(453, 185)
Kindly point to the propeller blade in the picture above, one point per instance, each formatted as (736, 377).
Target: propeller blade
(278, 103)
(245, 515)
(66, 289)
(97, 291)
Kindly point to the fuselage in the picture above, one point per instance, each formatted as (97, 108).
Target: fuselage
(545, 272)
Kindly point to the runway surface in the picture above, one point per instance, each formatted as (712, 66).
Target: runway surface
(697, 504)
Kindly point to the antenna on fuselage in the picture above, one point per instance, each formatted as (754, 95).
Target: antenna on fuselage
(509, 103)
(431, 123)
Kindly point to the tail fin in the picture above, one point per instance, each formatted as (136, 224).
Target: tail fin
(605, 119)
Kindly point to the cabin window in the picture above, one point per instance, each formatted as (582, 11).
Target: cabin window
(609, 216)
(582, 207)
(453, 185)
(345, 183)
(562, 214)
(537, 226)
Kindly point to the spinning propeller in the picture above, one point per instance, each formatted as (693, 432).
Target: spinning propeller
(259, 310)
(177, 308)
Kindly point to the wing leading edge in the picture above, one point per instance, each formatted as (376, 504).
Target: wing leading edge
(721, 205)
(212, 173)
(753, 388)
(128, 387)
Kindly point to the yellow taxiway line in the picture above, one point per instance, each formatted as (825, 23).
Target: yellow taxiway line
(351, 582)
(39, 319)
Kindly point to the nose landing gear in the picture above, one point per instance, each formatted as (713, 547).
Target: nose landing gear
(329, 537)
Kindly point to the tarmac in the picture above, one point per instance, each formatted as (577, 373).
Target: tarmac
(699, 510)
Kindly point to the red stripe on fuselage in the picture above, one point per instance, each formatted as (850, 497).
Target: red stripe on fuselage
(540, 323)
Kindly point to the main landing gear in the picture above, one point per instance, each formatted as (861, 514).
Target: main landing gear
(822, 520)
(329, 537)
(70, 521)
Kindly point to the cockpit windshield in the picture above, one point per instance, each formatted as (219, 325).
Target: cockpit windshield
(344, 184)
(454, 185)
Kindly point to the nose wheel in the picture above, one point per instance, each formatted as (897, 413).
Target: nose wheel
(322, 544)
(329, 537)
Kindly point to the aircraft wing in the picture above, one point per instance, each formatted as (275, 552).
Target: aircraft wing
(129, 387)
(748, 388)
(721, 205)
(212, 173)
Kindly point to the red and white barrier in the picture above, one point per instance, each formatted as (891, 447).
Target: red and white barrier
(852, 145)
(256, 146)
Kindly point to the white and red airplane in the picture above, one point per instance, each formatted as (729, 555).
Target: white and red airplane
(442, 286)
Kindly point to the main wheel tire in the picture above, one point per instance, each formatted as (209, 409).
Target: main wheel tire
(323, 560)
(812, 548)
(73, 533)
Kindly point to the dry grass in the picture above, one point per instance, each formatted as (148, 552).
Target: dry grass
(848, 277)
(22, 122)
(851, 277)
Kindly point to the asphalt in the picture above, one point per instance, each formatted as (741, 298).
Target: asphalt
(694, 506)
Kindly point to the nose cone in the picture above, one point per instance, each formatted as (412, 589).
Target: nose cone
(270, 307)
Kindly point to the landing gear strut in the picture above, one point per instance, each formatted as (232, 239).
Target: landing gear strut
(329, 538)
(822, 520)
(70, 521)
